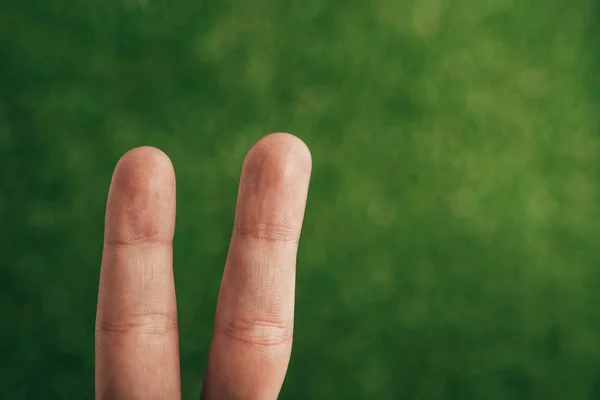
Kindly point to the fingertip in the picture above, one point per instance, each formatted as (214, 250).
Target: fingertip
(147, 152)
(142, 170)
(143, 163)
(287, 140)
(141, 201)
(282, 155)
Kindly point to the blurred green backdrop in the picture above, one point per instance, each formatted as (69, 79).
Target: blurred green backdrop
(451, 244)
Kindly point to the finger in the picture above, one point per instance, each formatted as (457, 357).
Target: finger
(136, 322)
(252, 339)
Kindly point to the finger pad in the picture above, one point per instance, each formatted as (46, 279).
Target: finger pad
(273, 187)
(141, 202)
(277, 159)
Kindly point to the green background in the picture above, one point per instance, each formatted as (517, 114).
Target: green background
(451, 243)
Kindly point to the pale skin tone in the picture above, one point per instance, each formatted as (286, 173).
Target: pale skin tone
(137, 341)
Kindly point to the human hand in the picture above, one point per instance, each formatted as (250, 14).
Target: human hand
(137, 343)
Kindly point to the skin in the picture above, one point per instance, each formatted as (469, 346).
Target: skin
(137, 341)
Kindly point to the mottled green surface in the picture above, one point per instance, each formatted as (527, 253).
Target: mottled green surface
(451, 247)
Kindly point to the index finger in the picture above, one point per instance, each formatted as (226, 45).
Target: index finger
(137, 349)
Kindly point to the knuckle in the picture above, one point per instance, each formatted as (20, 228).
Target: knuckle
(269, 232)
(259, 333)
(139, 230)
(152, 323)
